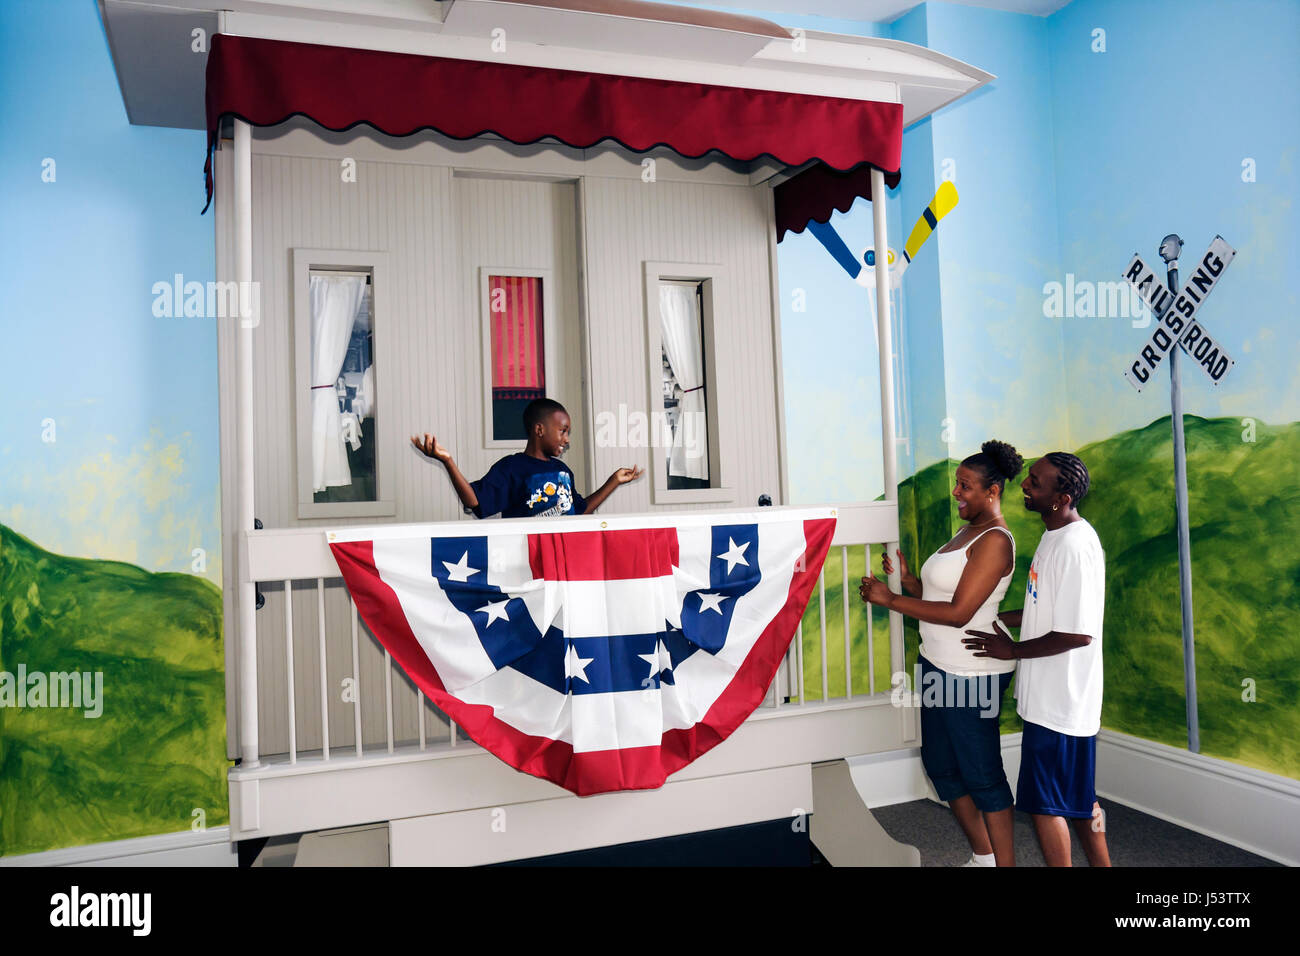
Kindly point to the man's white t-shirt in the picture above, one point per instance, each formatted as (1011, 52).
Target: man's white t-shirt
(1066, 592)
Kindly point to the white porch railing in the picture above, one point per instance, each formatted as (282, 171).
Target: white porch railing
(326, 687)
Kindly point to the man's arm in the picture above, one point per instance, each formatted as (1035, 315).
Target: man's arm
(999, 644)
(1011, 618)
(1051, 643)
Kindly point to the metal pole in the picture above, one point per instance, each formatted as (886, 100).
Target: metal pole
(1180, 508)
(885, 350)
(246, 598)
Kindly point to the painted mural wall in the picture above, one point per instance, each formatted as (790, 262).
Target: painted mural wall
(112, 700)
(1089, 146)
(1105, 130)
(1221, 84)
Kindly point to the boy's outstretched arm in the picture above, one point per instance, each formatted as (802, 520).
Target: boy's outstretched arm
(620, 477)
(429, 446)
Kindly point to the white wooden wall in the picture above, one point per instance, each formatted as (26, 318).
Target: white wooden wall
(628, 222)
(525, 224)
(439, 209)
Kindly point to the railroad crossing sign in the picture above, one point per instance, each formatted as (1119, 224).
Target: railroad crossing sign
(1176, 316)
(1176, 324)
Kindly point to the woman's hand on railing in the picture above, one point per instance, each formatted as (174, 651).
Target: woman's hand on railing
(911, 584)
(876, 591)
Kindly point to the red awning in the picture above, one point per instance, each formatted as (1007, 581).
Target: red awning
(265, 82)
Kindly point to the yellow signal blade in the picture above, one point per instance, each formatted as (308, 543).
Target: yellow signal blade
(945, 198)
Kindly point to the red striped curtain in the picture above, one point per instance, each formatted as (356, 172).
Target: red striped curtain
(518, 356)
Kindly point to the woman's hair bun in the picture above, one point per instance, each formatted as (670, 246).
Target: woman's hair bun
(1005, 459)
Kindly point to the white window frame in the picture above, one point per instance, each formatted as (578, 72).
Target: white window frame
(549, 344)
(709, 276)
(306, 261)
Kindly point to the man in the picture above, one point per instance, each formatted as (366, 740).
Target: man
(1059, 675)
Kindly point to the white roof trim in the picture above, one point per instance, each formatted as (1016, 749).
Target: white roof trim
(828, 64)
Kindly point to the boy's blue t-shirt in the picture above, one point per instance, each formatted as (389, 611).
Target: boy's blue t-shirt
(520, 486)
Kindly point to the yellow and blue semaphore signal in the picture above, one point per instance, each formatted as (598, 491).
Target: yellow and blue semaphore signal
(945, 199)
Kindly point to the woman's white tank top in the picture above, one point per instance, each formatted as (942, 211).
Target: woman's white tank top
(942, 645)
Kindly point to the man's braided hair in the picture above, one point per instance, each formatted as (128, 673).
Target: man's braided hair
(1071, 475)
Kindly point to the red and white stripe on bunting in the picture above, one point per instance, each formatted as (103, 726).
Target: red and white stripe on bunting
(599, 653)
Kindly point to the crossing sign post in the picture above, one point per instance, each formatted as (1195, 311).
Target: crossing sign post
(1175, 313)
(1177, 327)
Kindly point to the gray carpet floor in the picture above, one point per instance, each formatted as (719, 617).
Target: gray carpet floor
(1134, 839)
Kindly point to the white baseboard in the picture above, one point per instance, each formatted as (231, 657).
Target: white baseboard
(188, 848)
(1250, 809)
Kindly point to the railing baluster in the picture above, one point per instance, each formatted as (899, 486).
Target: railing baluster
(871, 646)
(844, 600)
(821, 620)
(288, 655)
(356, 680)
(324, 683)
(452, 725)
(388, 694)
(420, 700)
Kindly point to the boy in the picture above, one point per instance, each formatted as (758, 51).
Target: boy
(1059, 677)
(532, 483)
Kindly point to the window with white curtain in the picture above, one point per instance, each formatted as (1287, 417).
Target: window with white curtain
(342, 375)
(685, 401)
(343, 454)
(685, 376)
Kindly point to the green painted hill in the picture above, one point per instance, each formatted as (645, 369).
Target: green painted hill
(158, 751)
(1245, 526)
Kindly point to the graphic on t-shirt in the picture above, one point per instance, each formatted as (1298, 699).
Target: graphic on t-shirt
(1031, 585)
(552, 494)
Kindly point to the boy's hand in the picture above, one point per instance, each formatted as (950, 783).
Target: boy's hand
(429, 446)
(624, 475)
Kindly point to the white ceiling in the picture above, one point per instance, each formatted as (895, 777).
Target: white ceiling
(873, 11)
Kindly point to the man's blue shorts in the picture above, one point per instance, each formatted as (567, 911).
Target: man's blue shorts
(961, 745)
(1057, 773)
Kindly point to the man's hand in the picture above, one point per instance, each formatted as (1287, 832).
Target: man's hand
(624, 475)
(998, 644)
(875, 591)
(429, 446)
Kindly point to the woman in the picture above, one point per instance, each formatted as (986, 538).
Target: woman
(960, 587)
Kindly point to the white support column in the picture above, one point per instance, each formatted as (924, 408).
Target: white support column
(247, 597)
(885, 349)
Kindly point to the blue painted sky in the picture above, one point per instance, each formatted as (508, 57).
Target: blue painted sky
(133, 471)
(1150, 138)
